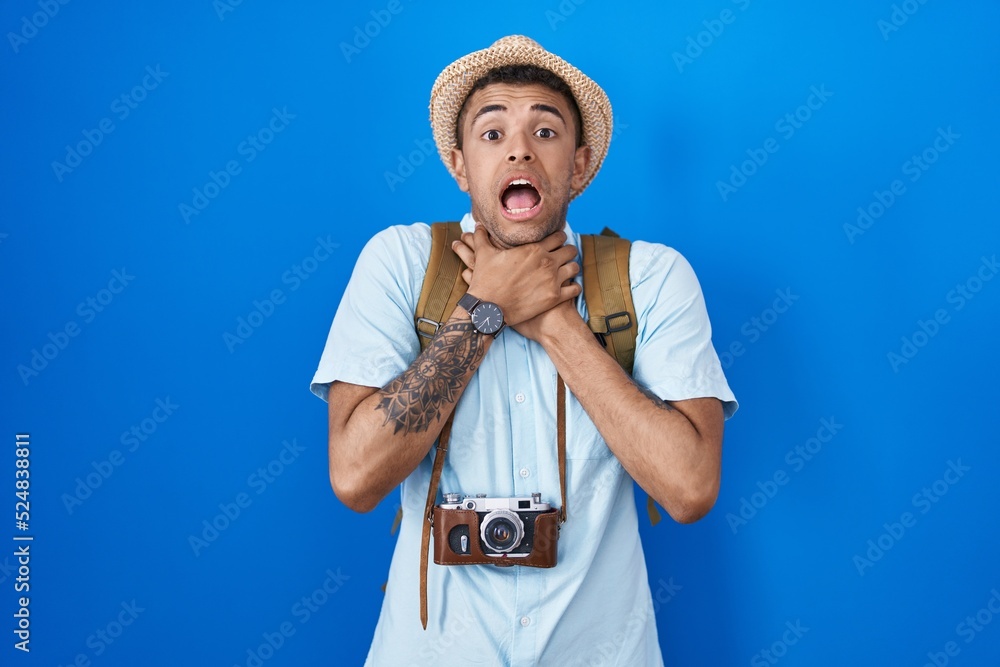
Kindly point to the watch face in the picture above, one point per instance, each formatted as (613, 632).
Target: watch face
(487, 318)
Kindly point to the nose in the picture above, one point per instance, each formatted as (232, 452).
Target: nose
(519, 150)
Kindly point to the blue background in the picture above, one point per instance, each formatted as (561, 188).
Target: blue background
(351, 158)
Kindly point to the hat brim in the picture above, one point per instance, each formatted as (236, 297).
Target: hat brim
(454, 83)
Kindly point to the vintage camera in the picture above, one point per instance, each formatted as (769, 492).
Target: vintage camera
(478, 529)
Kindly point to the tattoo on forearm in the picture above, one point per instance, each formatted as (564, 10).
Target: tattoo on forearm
(414, 399)
(656, 400)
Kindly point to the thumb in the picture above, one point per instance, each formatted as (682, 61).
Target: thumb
(482, 238)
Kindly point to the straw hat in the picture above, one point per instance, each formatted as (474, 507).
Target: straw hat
(453, 85)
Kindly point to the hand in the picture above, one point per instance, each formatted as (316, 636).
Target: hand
(524, 281)
(553, 323)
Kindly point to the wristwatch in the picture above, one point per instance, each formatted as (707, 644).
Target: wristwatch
(487, 318)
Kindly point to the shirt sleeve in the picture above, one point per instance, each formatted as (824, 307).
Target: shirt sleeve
(372, 338)
(675, 358)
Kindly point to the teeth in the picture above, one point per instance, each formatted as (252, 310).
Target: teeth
(520, 210)
(520, 181)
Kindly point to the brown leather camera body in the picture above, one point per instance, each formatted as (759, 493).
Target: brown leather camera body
(543, 551)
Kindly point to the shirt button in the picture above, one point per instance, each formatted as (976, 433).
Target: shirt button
(525, 621)
(525, 472)
(519, 397)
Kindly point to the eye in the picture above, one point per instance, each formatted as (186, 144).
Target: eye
(491, 135)
(545, 133)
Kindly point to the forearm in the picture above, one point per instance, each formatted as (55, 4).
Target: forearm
(377, 443)
(659, 445)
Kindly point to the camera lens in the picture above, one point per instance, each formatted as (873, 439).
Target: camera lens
(502, 530)
(501, 533)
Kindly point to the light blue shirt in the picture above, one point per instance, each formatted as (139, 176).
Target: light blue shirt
(594, 607)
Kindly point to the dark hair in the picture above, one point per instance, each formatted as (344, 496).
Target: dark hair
(523, 75)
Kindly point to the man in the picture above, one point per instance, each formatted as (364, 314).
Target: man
(523, 132)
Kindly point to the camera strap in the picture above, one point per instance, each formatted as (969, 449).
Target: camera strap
(432, 489)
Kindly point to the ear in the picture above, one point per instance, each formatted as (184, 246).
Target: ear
(580, 161)
(458, 167)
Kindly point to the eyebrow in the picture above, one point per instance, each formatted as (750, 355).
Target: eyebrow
(490, 108)
(551, 109)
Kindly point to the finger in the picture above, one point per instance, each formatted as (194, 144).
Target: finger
(569, 291)
(467, 276)
(553, 240)
(465, 253)
(567, 271)
(481, 238)
(565, 254)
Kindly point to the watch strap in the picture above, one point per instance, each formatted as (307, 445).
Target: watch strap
(468, 302)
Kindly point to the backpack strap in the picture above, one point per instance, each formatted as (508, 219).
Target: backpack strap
(443, 284)
(608, 292)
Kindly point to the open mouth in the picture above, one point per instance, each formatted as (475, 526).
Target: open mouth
(520, 196)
